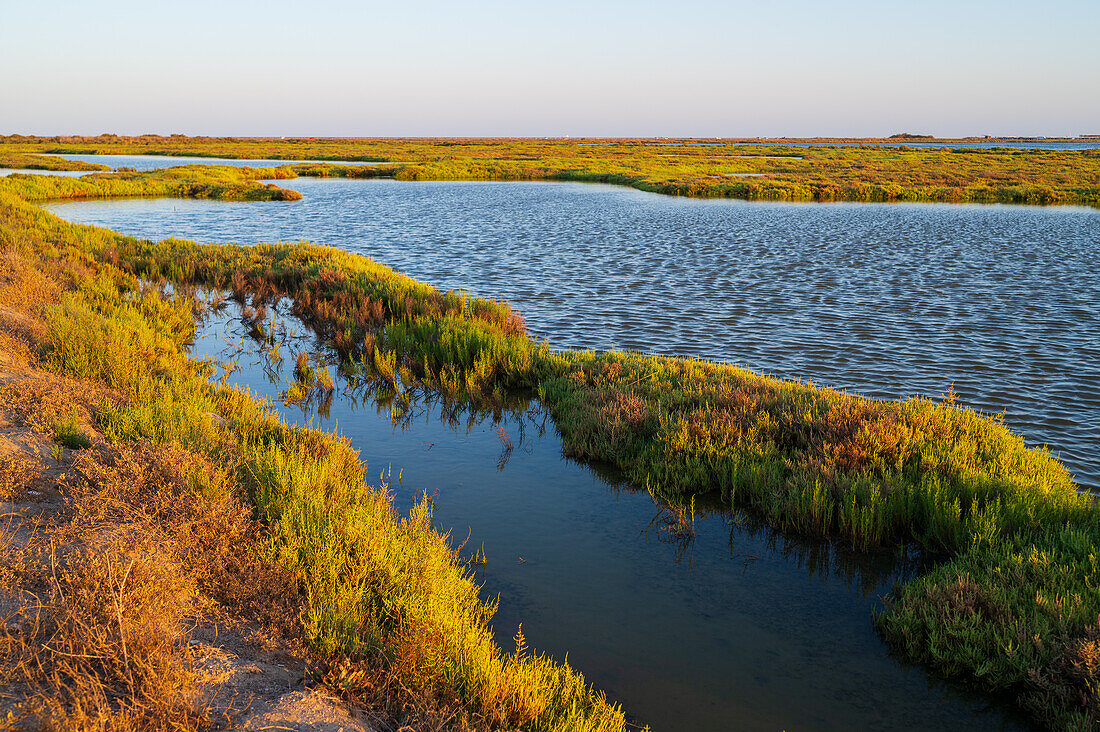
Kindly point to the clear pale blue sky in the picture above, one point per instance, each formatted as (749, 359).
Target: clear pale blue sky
(699, 68)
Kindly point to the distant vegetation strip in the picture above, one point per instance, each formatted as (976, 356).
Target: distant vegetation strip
(28, 161)
(214, 182)
(953, 173)
(1015, 605)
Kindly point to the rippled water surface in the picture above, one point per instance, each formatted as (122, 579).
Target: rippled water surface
(1002, 303)
(738, 629)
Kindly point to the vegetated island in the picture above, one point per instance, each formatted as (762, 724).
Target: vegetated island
(387, 614)
(707, 168)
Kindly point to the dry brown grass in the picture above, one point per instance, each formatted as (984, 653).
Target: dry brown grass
(23, 291)
(18, 474)
(105, 645)
(191, 508)
(24, 287)
(38, 400)
(147, 546)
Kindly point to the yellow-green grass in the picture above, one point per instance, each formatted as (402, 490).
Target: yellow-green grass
(813, 461)
(377, 586)
(30, 161)
(952, 173)
(1007, 520)
(188, 181)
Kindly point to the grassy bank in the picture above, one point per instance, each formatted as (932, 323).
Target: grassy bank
(778, 172)
(30, 161)
(385, 591)
(1013, 607)
(189, 181)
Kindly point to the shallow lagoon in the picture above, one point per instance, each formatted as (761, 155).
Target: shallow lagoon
(887, 300)
(739, 628)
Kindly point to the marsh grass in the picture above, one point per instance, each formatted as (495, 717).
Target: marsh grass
(952, 173)
(68, 432)
(1011, 608)
(30, 161)
(813, 461)
(386, 592)
(189, 181)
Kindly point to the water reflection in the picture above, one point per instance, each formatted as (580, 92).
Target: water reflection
(692, 616)
(4, 172)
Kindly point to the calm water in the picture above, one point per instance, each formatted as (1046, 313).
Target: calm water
(739, 629)
(156, 162)
(65, 173)
(888, 300)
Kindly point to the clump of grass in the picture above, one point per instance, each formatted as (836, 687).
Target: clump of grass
(154, 538)
(106, 647)
(324, 380)
(68, 432)
(311, 382)
(303, 370)
(222, 553)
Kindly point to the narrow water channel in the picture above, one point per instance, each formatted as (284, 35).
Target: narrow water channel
(737, 628)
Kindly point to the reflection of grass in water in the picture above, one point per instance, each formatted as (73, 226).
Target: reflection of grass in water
(674, 523)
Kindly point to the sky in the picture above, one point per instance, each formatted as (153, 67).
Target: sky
(606, 69)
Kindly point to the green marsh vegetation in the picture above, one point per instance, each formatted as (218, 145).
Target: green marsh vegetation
(1013, 607)
(214, 182)
(26, 161)
(953, 173)
(394, 617)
